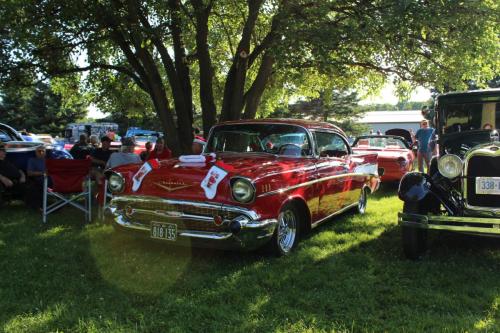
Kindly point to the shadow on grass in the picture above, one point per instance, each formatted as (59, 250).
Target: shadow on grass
(347, 275)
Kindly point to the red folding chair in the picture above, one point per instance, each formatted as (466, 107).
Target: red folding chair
(70, 183)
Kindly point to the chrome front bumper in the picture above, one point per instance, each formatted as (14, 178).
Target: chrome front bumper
(467, 224)
(241, 228)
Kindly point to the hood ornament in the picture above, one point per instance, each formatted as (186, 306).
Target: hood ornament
(171, 186)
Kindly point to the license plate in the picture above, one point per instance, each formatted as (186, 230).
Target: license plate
(166, 231)
(488, 185)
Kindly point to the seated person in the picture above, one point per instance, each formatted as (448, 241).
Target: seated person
(12, 179)
(161, 151)
(36, 170)
(125, 156)
(100, 157)
(145, 154)
(93, 142)
(81, 149)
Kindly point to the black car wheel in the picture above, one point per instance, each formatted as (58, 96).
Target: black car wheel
(286, 235)
(414, 239)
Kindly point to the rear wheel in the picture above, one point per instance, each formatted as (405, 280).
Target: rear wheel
(286, 235)
(414, 239)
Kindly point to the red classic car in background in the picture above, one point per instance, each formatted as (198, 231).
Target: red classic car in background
(259, 182)
(395, 156)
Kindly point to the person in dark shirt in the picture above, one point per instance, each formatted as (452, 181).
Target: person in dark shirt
(81, 149)
(36, 170)
(145, 154)
(11, 178)
(100, 157)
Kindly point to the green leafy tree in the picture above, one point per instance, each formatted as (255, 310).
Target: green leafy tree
(230, 57)
(40, 108)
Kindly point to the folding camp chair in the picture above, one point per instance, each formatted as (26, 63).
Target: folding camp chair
(70, 183)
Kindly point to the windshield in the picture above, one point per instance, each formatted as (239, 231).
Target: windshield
(269, 138)
(380, 142)
(145, 138)
(470, 116)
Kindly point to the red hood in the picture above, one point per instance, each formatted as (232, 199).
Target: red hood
(174, 179)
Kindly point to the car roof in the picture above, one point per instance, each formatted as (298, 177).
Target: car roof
(460, 96)
(309, 124)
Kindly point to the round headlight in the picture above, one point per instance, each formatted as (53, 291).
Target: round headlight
(450, 166)
(243, 190)
(116, 183)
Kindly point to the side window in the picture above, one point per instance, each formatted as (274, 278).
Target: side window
(330, 145)
(5, 136)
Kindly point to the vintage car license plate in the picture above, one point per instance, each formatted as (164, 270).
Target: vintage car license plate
(167, 231)
(488, 185)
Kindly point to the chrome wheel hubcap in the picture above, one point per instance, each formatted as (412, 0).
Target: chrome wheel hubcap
(287, 230)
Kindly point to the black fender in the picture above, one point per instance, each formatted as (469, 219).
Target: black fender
(414, 186)
(430, 190)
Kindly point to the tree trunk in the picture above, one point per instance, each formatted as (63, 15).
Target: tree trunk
(254, 94)
(235, 82)
(182, 95)
(208, 109)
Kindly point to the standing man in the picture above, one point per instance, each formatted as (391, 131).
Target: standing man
(424, 136)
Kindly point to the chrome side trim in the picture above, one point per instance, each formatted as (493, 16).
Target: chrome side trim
(311, 182)
(480, 150)
(317, 223)
(136, 198)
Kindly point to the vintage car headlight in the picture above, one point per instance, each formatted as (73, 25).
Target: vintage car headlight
(450, 166)
(243, 190)
(116, 183)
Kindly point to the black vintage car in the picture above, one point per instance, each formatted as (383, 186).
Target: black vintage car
(461, 191)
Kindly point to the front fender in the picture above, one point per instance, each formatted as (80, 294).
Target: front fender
(414, 186)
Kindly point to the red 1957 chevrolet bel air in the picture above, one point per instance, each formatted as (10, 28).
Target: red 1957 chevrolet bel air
(395, 156)
(258, 182)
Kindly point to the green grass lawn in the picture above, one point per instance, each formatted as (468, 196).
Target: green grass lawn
(348, 275)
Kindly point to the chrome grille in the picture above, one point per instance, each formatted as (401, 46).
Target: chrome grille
(481, 166)
(187, 216)
(181, 208)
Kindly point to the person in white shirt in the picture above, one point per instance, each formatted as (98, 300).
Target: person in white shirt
(125, 156)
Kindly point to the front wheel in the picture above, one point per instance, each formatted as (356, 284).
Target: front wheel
(286, 235)
(414, 239)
